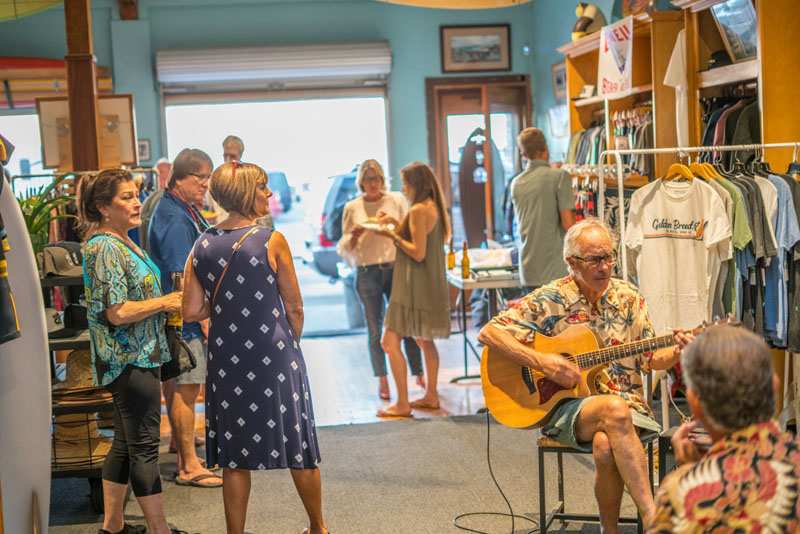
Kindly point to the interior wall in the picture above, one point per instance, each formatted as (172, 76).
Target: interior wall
(129, 47)
(553, 21)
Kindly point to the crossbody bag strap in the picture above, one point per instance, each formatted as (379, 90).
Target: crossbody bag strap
(236, 248)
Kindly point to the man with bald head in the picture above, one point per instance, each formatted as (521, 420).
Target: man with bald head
(610, 423)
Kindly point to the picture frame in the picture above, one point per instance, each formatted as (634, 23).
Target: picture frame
(143, 149)
(117, 135)
(559, 75)
(736, 21)
(475, 48)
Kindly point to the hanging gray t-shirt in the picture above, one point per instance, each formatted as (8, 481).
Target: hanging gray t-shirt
(539, 194)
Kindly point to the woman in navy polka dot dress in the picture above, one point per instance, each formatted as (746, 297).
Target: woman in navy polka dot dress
(259, 413)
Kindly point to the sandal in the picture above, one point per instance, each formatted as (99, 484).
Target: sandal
(387, 413)
(422, 404)
(196, 480)
(126, 529)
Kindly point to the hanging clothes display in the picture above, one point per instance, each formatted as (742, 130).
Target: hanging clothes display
(586, 146)
(684, 220)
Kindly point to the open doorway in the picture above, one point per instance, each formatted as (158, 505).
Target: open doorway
(310, 147)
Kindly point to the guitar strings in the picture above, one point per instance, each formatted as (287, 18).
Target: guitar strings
(510, 513)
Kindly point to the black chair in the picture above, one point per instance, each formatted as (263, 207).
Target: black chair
(547, 446)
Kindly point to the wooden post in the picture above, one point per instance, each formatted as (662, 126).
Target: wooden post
(82, 86)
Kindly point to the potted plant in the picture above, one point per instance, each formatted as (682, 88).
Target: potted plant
(45, 205)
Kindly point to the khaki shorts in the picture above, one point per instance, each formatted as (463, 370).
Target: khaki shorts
(197, 375)
(561, 425)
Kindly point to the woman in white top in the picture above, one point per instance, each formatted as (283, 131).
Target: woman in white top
(373, 257)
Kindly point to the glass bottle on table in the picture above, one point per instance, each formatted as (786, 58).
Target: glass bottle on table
(451, 257)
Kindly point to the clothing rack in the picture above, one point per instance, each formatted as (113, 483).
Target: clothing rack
(681, 151)
(675, 150)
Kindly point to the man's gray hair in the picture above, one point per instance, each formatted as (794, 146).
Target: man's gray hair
(575, 231)
(234, 140)
(730, 371)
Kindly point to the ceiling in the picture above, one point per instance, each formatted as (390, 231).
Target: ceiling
(458, 4)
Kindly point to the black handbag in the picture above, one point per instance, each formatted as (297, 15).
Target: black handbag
(182, 358)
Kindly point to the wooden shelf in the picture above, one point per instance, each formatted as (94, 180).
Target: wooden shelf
(737, 72)
(591, 42)
(594, 100)
(695, 5)
(62, 281)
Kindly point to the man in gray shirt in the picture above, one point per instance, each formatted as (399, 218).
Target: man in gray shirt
(544, 209)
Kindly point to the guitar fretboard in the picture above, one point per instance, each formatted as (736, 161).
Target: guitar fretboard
(587, 360)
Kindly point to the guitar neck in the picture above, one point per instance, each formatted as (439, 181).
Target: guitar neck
(587, 360)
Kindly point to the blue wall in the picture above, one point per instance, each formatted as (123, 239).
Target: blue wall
(553, 21)
(129, 46)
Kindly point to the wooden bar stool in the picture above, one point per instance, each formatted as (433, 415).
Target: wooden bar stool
(546, 446)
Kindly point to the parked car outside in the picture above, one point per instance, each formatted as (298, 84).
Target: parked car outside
(280, 186)
(325, 234)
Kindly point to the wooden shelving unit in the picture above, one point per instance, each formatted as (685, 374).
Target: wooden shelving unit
(729, 74)
(595, 100)
(653, 40)
(775, 69)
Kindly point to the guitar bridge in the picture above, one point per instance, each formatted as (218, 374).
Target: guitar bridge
(528, 380)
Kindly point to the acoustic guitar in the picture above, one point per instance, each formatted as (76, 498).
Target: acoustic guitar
(521, 397)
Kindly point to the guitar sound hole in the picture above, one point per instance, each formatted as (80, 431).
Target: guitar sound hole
(547, 388)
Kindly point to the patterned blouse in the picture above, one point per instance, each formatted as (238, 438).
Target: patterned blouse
(113, 274)
(620, 317)
(747, 482)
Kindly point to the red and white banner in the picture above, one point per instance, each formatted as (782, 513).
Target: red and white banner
(615, 69)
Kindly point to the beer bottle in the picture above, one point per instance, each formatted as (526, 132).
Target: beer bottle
(451, 257)
(464, 261)
(174, 318)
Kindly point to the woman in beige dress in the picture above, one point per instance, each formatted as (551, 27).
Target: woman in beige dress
(420, 303)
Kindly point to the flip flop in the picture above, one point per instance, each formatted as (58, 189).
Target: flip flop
(384, 413)
(424, 405)
(195, 481)
(306, 531)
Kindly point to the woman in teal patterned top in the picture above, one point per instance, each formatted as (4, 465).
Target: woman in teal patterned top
(126, 314)
(113, 274)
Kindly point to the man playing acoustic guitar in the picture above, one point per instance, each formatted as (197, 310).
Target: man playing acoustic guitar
(610, 422)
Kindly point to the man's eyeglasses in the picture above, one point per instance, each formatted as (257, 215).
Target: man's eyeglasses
(596, 261)
(202, 178)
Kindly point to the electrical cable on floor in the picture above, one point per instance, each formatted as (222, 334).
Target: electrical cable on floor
(502, 494)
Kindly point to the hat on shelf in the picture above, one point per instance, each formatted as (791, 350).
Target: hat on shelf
(79, 371)
(77, 441)
(62, 259)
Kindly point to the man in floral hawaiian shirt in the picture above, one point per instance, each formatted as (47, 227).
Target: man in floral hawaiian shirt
(608, 424)
(749, 481)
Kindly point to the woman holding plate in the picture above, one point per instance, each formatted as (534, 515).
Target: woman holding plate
(373, 256)
(420, 303)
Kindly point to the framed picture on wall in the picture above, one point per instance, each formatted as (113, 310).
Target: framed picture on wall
(736, 20)
(143, 149)
(117, 135)
(559, 74)
(476, 48)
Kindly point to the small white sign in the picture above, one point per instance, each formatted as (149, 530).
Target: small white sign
(615, 69)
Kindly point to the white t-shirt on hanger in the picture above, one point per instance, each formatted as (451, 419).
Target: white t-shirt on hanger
(676, 77)
(680, 232)
(769, 194)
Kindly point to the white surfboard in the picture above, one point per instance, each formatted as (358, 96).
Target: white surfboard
(25, 406)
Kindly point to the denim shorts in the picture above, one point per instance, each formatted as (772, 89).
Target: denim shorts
(561, 425)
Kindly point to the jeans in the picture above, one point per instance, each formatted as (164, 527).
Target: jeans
(137, 418)
(374, 287)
